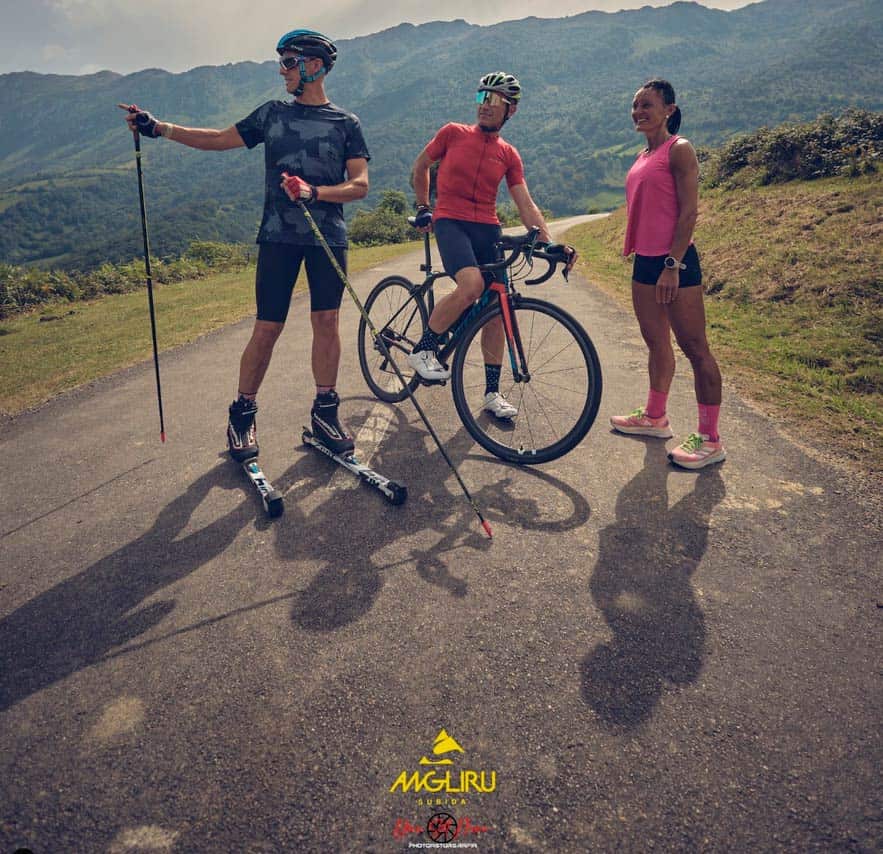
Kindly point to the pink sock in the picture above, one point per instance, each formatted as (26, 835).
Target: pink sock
(708, 415)
(656, 401)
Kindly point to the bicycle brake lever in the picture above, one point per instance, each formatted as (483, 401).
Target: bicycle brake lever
(530, 244)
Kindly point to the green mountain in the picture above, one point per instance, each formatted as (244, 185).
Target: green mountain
(68, 194)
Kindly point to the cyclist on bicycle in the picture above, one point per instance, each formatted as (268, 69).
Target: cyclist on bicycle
(472, 162)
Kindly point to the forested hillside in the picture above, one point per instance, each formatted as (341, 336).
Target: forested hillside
(68, 195)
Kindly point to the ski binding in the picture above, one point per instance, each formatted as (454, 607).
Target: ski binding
(394, 493)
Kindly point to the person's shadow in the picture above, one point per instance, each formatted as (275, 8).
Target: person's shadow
(98, 612)
(642, 586)
(350, 546)
(79, 621)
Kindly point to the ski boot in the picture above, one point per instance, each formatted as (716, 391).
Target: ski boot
(326, 426)
(242, 438)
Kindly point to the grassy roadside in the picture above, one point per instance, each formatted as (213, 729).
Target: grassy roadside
(88, 340)
(794, 302)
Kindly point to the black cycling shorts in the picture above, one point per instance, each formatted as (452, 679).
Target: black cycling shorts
(648, 267)
(277, 271)
(467, 244)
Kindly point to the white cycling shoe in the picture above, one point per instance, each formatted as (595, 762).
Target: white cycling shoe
(426, 363)
(497, 405)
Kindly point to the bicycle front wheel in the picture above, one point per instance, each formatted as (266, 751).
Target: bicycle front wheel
(557, 393)
(399, 316)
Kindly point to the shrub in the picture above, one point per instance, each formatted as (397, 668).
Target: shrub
(850, 144)
(24, 288)
(387, 223)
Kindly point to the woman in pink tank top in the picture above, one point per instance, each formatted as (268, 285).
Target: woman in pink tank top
(662, 197)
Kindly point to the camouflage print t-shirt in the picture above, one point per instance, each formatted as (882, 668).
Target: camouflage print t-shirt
(313, 143)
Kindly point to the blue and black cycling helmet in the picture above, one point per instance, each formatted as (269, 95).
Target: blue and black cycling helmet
(310, 43)
(503, 84)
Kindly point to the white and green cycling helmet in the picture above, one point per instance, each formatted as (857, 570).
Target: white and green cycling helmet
(503, 84)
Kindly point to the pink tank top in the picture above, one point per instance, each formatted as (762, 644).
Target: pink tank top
(652, 203)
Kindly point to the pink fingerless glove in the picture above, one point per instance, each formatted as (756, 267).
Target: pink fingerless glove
(298, 189)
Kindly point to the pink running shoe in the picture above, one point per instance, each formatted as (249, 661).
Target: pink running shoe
(637, 423)
(697, 451)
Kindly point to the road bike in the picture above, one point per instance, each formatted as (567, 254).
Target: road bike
(550, 368)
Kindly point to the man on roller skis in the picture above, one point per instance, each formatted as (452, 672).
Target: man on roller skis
(321, 149)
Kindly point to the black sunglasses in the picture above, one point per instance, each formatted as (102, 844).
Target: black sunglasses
(289, 62)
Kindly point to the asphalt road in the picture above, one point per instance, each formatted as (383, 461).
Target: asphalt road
(642, 658)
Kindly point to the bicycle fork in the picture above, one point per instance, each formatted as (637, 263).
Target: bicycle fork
(520, 372)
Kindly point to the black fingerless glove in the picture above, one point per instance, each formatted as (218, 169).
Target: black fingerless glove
(146, 123)
(423, 219)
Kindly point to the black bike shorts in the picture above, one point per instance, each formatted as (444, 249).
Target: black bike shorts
(277, 271)
(467, 244)
(648, 267)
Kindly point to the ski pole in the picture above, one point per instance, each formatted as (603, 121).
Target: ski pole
(162, 428)
(386, 355)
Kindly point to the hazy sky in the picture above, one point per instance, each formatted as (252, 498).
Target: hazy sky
(83, 36)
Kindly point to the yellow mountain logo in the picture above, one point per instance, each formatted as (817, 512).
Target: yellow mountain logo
(444, 780)
(443, 743)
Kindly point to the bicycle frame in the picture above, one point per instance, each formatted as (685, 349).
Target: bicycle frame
(506, 296)
(504, 293)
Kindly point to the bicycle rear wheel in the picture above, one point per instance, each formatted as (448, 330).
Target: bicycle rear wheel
(557, 399)
(399, 316)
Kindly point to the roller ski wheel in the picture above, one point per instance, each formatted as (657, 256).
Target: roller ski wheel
(271, 498)
(398, 493)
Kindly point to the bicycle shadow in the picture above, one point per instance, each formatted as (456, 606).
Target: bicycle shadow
(79, 621)
(642, 586)
(351, 575)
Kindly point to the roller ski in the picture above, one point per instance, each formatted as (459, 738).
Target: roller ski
(271, 498)
(330, 437)
(243, 445)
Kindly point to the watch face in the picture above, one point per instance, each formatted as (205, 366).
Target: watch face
(670, 263)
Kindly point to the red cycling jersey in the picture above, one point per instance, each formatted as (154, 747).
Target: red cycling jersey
(472, 165)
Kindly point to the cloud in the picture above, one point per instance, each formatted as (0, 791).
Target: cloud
(66, 36)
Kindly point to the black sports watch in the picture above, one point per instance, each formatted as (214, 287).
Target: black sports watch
(673, 264)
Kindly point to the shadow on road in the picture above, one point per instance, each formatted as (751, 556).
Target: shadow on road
(642, 586)
(97, 614)
(351, 576)
(76, 623)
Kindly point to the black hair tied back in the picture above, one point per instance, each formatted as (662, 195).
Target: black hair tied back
(668, 97)
(674, 121)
